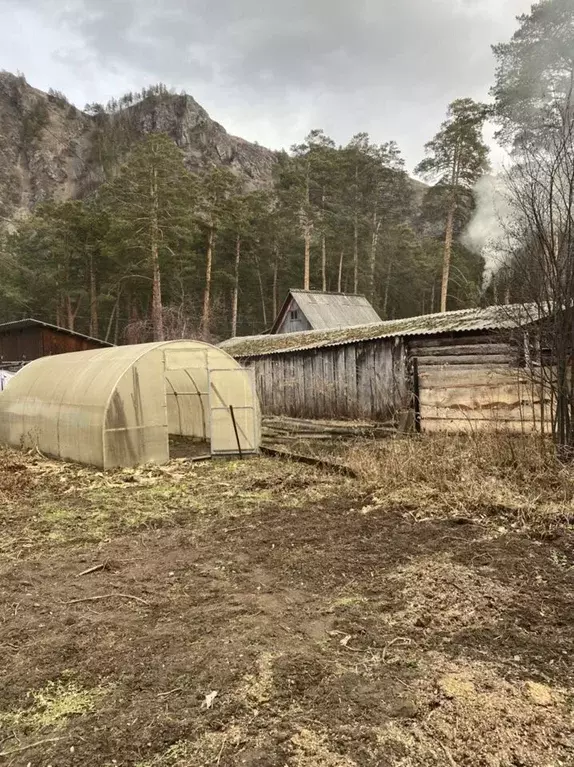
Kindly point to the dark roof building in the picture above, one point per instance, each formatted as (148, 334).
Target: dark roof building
(28, 339)
(315, 310)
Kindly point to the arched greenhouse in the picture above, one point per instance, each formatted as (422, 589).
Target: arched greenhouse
(117, 406)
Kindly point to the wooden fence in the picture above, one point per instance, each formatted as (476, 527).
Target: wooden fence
(366, 380)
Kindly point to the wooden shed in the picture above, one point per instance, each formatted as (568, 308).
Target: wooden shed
(318, 310)
(452, 371)
(29, 339)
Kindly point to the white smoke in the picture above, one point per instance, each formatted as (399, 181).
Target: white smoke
(487, 232)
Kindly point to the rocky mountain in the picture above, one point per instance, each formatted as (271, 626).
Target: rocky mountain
(49, 148)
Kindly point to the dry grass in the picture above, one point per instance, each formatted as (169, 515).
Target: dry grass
(45, 502)
(447, 595)
(512, 480)
(477, 717)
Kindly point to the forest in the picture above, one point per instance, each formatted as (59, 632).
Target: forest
(157, 251)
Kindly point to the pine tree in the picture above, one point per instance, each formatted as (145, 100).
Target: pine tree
(534, 84)
(456, 158)
(150, 204)
(216, 189)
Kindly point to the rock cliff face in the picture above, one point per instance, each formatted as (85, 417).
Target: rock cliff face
(204, 142)
(44, 147)
(50, 149)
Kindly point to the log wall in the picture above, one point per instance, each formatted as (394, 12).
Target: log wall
(366, 380)
(475, 382)
(466, 382)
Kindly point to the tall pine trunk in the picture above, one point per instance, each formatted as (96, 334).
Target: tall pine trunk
(356, 235)
(235, 287)
(387, 286)
(307, 239)
(71, 312)
(323, 245)
(206, 315)
(112, 316)
(340, 275)
(275, 276)
(94, 322)
(307, 272)
(156, 304)
(262, 294)
(450, 227)
(323, 263)
(373, 254)
(447, 255)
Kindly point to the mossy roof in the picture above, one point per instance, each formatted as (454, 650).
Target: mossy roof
(464, 320)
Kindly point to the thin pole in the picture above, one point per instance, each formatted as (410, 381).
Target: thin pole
(235, 430)
(417, 395)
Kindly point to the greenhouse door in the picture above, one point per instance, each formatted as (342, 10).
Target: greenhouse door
(233, 416)
(187, 393)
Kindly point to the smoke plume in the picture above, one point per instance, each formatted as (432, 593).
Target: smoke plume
(486, 234)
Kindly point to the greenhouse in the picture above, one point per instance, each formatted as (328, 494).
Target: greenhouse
(117, 407)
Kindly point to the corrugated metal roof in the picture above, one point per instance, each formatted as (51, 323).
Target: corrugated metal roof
(465, 320)
(30, 323)
(329, 310)
(335, 310)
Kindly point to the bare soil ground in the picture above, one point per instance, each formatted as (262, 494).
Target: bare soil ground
(268, 614)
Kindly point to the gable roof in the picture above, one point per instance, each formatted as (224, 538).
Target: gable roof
(329, 310)
(465, 320)
(31, 323)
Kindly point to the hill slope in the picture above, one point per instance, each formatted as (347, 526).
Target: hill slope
(49, 148)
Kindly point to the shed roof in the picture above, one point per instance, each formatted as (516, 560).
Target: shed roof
(329, 310)
(464, 320)
(30, 322)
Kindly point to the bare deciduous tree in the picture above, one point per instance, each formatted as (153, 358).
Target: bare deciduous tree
(541, 232)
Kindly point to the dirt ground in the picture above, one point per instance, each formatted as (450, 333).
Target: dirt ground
(269, 614)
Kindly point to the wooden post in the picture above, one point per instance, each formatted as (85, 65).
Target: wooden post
(416, 395)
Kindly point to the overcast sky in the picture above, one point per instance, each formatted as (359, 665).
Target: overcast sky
(270, 70)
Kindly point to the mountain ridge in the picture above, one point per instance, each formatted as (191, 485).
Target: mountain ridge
(51, 149)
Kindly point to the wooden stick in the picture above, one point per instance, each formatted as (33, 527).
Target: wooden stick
(329, 465)
(169, 692)
(93, 569)
(12, 751)
(106, 596)
(221, 751)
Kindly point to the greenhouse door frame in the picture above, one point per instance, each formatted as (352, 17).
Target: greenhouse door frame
(232, 422)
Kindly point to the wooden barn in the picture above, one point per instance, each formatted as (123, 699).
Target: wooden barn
(456, 371)
(26, 340)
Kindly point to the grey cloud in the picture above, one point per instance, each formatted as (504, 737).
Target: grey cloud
(386, 66)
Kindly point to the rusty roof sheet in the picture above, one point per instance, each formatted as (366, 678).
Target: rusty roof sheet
(464, 320)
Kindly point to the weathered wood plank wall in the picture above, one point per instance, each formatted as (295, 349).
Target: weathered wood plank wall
(475, 382)
(467, 382)
(366, 380)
